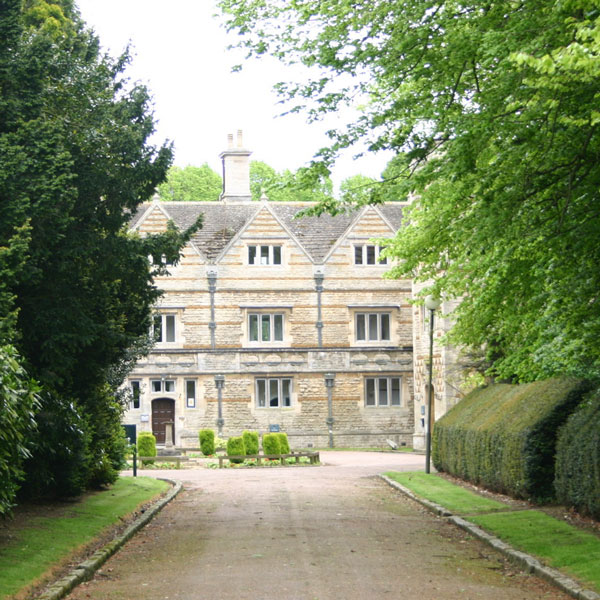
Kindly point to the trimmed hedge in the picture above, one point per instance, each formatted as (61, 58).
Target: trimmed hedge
(235, 447)
(146, 446)
(270, 443)
(504, 436)
(284, 444)
(206, 438)
(250, 442)
(577, 480)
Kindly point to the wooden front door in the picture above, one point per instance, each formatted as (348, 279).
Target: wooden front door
(163, 411)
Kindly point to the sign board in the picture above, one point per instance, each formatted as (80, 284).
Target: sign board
(144, 418)
(130, 433)
(274, 428)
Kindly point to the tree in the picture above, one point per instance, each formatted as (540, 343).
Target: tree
(286, 186)
(491, 108)
(357, 190)
(191, 184)
(75, 164)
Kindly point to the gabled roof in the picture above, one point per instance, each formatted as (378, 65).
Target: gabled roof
(317, 235)
(222, 222)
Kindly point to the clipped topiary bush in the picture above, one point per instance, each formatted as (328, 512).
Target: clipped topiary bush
(577, 479)
(504, 436)
(250, 442)
(235, 447)
(207, 441)
(146, 444)
(270, 443)
(284, 444)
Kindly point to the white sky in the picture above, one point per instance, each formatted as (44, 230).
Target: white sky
(179, 52)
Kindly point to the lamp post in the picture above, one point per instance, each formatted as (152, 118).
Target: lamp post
(329, 383)
(220, 383)
(432, 304)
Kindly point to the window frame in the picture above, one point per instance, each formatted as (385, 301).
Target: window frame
(163, 327)
(367, 318)
(265, 396)
(272, 250)
(136, 396)
(262, 317)
(391, 400)
(365, 255)
(193, 398)
(163, 385)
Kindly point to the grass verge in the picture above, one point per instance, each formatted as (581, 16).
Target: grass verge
(450, 496)
(556, 543)
(559, 544)
(47, 543)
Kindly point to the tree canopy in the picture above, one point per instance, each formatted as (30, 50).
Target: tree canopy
(286, 186)
(76, 289)
(492, 109)
(191, 184)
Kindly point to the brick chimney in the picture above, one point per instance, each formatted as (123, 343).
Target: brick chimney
(236, 171)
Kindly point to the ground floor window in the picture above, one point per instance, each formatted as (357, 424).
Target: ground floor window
(162, 385)
(273, 392)
(135, 393)
(383, 391)
(190, 393)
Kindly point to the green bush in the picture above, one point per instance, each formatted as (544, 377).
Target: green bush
(250, 442)
(271, 444)
(235, 447)
(18, 405)
(504, 436)
(207, 441)
(220, 444)
(284, 444)
(146, 446)
(577, 480)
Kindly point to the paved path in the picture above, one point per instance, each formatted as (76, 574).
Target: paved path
(306, 533)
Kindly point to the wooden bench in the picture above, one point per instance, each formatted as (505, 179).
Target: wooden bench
(177, 459)
(313, 456)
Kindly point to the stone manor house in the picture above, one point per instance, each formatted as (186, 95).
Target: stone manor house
(270, 323)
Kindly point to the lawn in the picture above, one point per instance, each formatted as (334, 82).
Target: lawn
(453, 497)
(559, 544)
(30, 553)
(556, 543)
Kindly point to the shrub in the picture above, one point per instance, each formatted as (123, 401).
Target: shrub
(250, 442)
(271, 444)
(207, 441)
(235, 447)
(146, 446)
(220, 444)
(18, 404)
(284, 444)
(577, 479)
(503, 436)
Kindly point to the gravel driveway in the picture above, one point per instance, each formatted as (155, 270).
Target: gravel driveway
(309, 533)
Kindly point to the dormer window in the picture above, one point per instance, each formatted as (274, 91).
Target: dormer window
(368, 254)
(265, 254)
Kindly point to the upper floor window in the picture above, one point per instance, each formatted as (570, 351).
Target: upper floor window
(372, 327)
(162, 385)
(264, 255)
(368, 254)
(265, 327)
(273, 392)
(163, 328)
(136, 391)
(383, 391)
